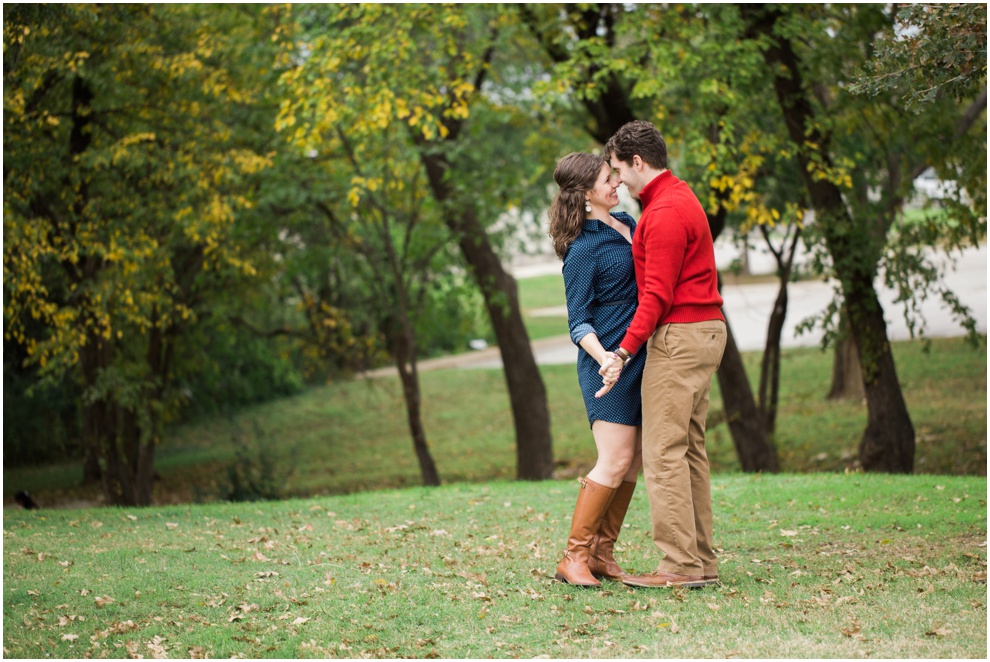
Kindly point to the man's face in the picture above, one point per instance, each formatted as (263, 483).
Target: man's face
(628, 174)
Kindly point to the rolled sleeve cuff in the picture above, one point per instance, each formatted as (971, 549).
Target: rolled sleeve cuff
(580, 331)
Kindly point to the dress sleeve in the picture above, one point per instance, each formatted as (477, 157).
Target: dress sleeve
(579, 286)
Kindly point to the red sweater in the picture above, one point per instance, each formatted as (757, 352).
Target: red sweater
(674, 259)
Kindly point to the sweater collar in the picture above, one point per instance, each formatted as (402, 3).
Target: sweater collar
(656, 186)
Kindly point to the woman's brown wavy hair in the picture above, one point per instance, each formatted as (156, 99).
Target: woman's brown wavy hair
(575, 174)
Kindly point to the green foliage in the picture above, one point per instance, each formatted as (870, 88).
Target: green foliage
(258, 474)
(239, 369)
(41, 420)
(819, 566)
(931, 51)
(129, 154)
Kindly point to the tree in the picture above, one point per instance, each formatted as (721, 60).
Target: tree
(427, 67)
(123, 176)
(381, 215)
(838, 174)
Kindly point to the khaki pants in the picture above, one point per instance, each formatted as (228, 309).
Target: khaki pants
(680, 362)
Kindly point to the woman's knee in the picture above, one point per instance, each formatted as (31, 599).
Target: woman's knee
(618, 462)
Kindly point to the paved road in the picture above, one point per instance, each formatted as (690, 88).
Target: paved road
(748, 307)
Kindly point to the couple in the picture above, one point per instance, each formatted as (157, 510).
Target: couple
(643, 305)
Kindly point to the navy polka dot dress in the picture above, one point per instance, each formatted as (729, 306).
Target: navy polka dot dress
(600, 283)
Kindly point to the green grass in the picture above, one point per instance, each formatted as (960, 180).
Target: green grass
(546, 327)
(821, 565)
(352, 436)
(541, 292)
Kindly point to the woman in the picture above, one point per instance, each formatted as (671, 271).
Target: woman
(600, 283)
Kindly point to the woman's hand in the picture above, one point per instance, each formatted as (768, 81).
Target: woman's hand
(610, 371)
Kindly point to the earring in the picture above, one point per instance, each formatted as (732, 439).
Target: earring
(587, 205)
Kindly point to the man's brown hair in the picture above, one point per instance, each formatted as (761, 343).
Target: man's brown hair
(638, 138)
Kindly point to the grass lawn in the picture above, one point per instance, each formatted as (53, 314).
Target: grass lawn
(811, 566)
(352, 436)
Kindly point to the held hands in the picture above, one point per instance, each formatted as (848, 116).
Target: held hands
(610, 371)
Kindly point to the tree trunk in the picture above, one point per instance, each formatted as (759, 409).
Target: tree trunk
(770, 365)
(847, 377)
(404, 351)
(746, 424)
(122, 441)
(527, 393)
(888, 441)
(91, 465)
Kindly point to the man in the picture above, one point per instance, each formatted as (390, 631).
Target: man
(679, 324)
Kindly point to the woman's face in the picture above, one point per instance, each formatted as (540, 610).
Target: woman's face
(603, 194)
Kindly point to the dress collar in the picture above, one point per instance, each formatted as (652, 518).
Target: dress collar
(595, 225)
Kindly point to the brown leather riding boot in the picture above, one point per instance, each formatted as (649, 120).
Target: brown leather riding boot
(593, 501)
(602, 564)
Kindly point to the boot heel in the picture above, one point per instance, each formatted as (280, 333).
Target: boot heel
(560, 578)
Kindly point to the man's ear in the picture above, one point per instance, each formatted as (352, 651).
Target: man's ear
(637, 162)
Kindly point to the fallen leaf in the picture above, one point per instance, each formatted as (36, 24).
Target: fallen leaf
(69, 637)
(299, 621)
(171, 526)
(103, 600)
(938, 632)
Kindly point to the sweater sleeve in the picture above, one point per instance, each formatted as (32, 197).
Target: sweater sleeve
(664, 244)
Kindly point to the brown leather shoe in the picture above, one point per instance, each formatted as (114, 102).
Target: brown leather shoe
(665, 580)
